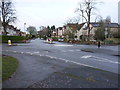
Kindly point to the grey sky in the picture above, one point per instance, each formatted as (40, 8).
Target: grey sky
(56, 12)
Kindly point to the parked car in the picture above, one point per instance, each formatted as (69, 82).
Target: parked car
(60, 39)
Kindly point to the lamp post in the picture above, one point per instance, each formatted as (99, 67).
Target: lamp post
(24, 26)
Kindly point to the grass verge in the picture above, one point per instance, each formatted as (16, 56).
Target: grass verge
(9, 66)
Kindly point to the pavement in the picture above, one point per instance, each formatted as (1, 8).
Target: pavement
(40, 62)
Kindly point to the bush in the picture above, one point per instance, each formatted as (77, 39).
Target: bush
(55, 38)
(88, 42)
(14, 39)
(112, 41)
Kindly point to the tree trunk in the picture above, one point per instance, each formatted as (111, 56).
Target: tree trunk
(3, 16)
(88, 38)
(5, 29)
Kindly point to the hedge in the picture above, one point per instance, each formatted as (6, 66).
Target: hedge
(14, 39)
(55, 38)
(113, 41)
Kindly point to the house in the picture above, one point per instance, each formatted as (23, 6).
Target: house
(11, 31)
(72, 30)
(83, 32)
(55, 33)
(60, 32)
(23, 33)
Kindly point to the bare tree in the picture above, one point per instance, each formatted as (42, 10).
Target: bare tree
(86, 11)
(108, 21)
(72, 20)
(7, 13)
(32, 30)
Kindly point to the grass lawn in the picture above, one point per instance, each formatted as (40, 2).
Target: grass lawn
(9, 66)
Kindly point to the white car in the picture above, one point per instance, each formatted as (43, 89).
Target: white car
(60, 39)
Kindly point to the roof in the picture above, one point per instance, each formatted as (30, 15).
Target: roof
(112, 25)
(75, 26)
(60, 28)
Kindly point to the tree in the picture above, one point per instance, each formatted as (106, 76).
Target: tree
(86, 10)
(100, 32)
(7, 13)
(42, 28)
(49, 32)
(32, 30)
(72, 20)
(108, 21)
(53, 27)
(43, 33)
(116, 34)
(69, 35)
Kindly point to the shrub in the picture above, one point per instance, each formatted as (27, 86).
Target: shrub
(14, 39)
(112, 41)
(55, 38)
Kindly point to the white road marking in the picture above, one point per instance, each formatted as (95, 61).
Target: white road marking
(78, 50)
(64, 45)
(86, 56)
(64, 51)
(28, 52)
(15, 51)
(76, 63)
(50, 56)
(22, 52)
(36, 52)
(71, 50)
(105, 60)
(99, 59)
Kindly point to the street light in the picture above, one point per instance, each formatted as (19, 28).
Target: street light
(24, 26)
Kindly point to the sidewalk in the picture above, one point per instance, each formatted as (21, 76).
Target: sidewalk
(111, 50)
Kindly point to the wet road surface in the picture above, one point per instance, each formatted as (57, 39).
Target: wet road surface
(38, 60)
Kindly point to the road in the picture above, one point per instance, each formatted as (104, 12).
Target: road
(42, 58)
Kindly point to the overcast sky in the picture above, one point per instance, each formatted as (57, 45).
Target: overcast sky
(55, 12)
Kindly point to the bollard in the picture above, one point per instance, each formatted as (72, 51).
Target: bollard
(50, 41)
(9, 42)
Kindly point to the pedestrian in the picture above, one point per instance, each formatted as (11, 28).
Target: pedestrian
(99, 44)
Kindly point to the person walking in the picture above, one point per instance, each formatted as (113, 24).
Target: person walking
(99, 44)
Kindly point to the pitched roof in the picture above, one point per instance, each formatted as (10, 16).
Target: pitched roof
(75, 26)
(112, 25)
(60, 28)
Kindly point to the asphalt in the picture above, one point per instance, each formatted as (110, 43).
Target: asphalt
(32, 69)
(102, 50)
(40, 62)
(79, 77)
